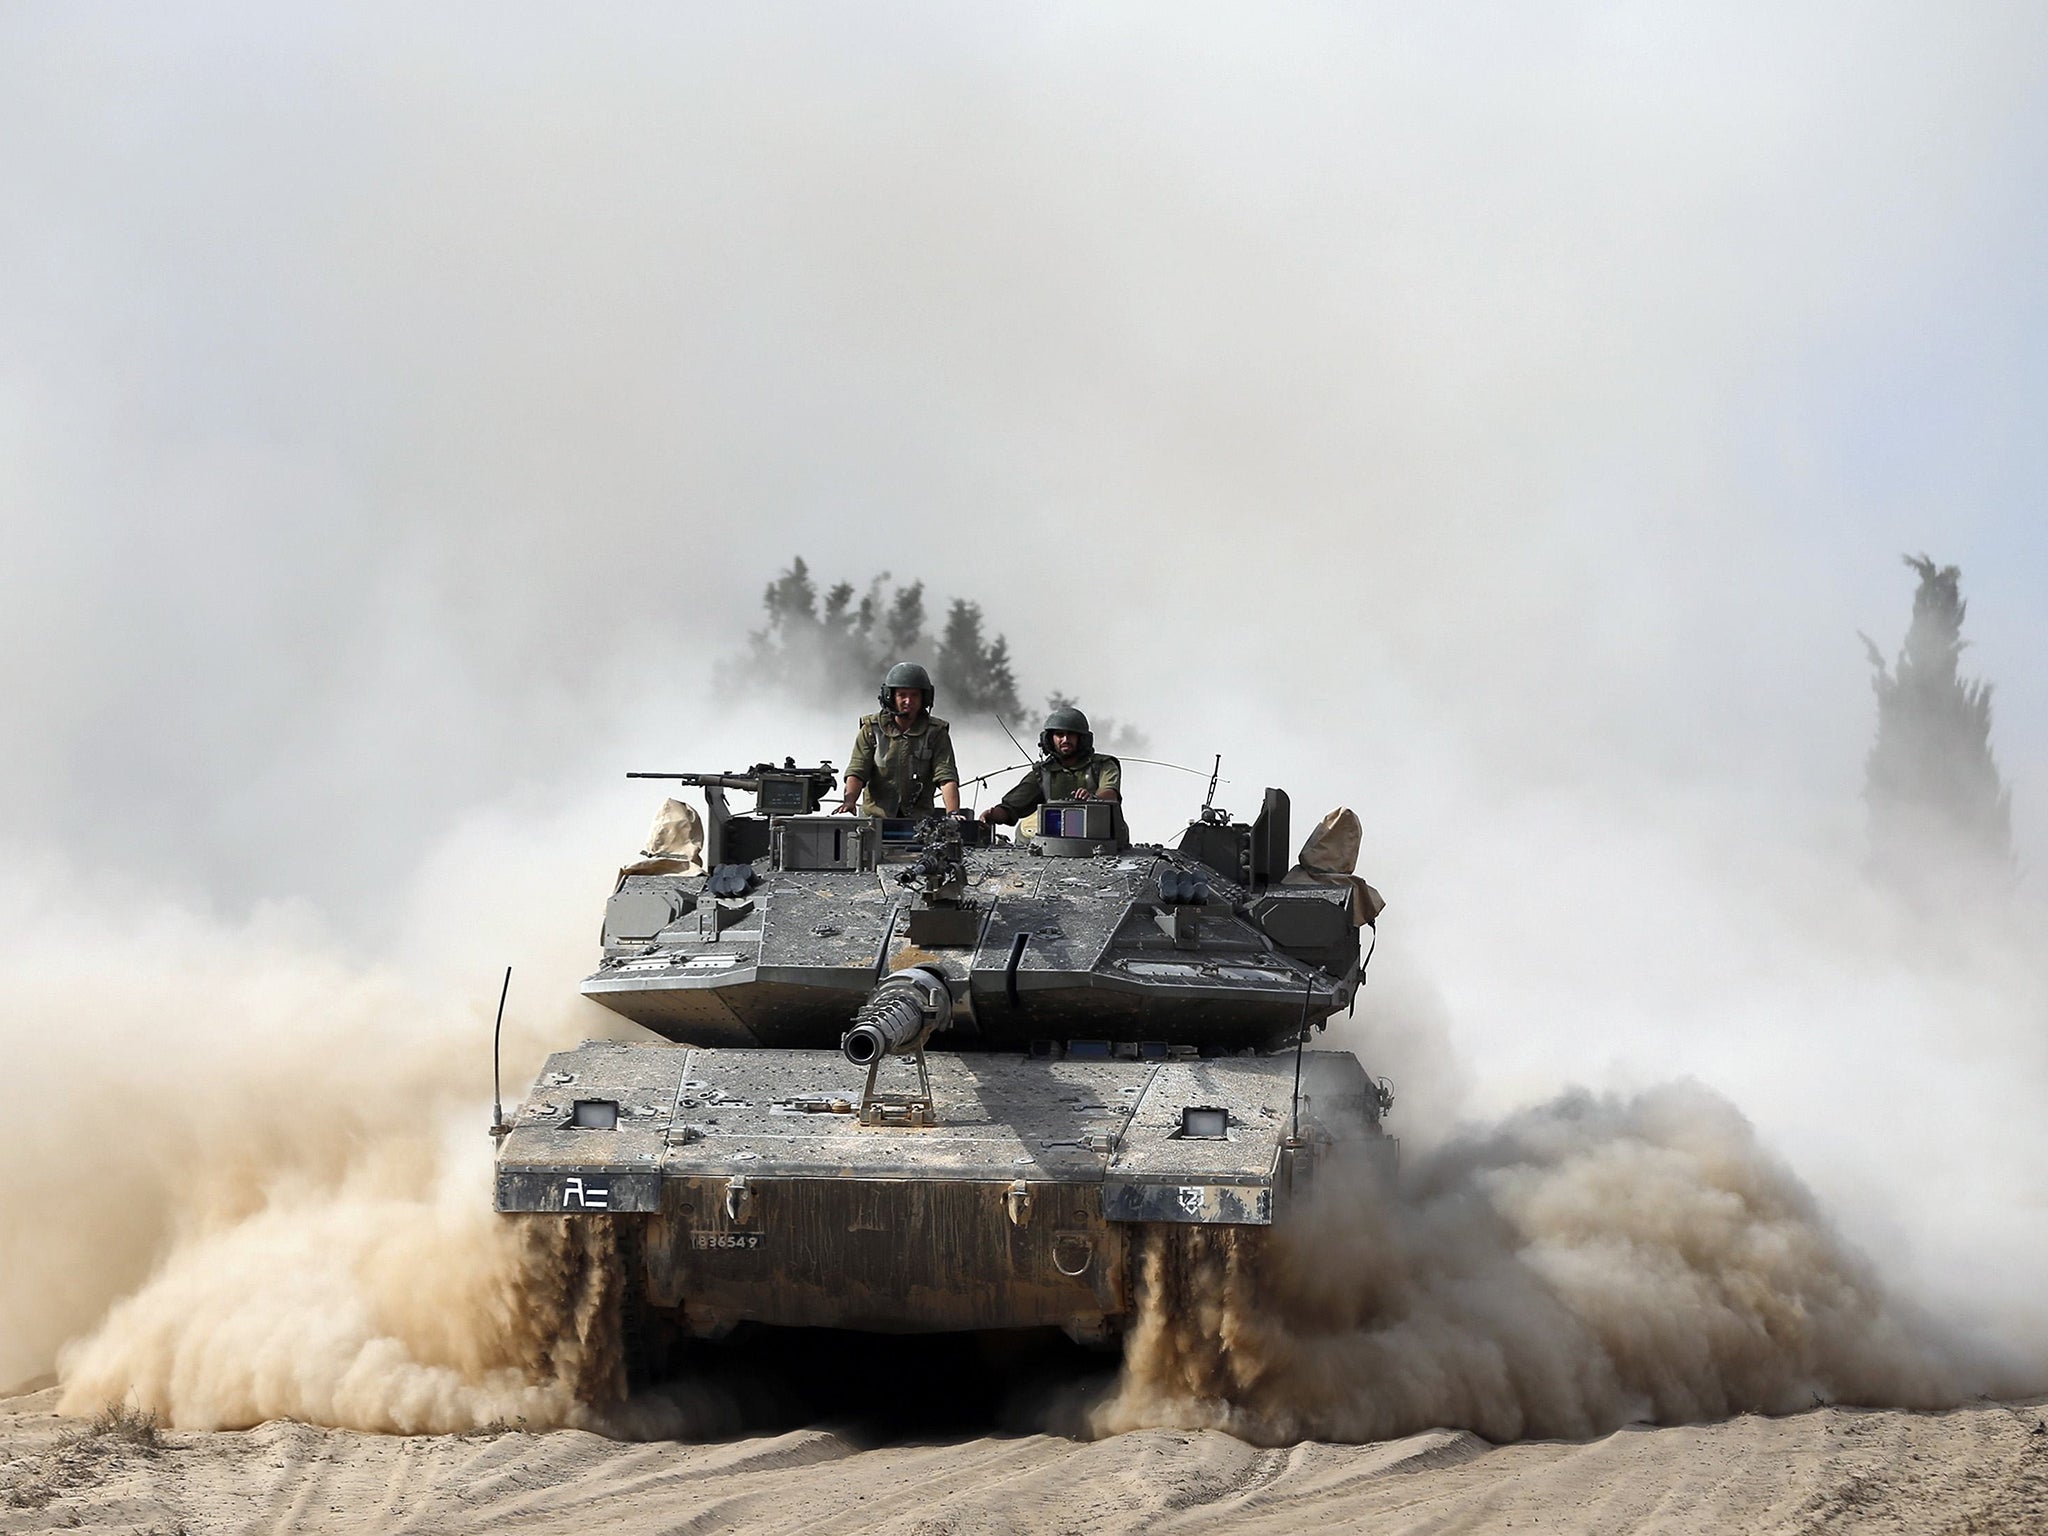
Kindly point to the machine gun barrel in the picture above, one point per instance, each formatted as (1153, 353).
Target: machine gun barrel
(784, 790)
(707, 780)
(935, 867)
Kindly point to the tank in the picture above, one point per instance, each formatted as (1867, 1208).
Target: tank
(920, 1078)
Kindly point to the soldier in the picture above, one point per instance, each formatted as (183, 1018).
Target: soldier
(902, 752)
(1071, 770)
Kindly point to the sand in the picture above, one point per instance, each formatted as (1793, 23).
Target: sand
(1978, 1469)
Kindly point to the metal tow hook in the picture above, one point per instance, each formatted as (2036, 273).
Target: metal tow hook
(1018, 1202)
(739, 1199)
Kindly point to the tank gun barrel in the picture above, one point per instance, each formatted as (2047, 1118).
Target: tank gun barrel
(892, 1026)
(898, 1017)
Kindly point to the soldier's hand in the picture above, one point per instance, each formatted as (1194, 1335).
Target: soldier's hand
(993, 814)
(1081, 794)
(843, 808)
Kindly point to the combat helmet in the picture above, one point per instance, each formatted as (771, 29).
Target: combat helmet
(1066, 718)
(906, 674)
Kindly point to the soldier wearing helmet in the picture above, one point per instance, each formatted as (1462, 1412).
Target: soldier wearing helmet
(1070, 770)
(903, 752)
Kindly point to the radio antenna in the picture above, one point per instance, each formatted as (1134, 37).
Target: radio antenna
(1300, 1040)
(980, 779)
(498, 1126)
(1153, 762)
(1013, 739)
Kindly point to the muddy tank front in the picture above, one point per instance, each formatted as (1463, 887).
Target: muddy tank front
(925, 1080)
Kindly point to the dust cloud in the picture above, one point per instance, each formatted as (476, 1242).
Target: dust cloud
(1589, 1263)
(390, 1300)
(248, 1172)
(251, 1179)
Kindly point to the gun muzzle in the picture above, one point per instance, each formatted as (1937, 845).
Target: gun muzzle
(898, 1017)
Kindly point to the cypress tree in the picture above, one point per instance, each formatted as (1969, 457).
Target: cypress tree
(1940, 816)
(971, 671)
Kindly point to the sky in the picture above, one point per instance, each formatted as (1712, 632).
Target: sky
(1502, 419)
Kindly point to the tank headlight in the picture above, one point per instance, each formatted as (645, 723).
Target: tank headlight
(1205, 1123)
(595, 1115)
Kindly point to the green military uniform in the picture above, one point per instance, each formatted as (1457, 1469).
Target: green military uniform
(1098, 773)
(900, 770)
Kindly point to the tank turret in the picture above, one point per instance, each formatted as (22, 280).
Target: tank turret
(1064, 935)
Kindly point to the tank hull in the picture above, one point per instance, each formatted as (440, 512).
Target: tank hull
(758, 1196)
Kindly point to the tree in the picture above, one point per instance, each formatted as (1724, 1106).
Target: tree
(1940, 816)
(905, 625)
(792, 598)
(838, 652)
(974, 674)
(837, 621)
(811, 656)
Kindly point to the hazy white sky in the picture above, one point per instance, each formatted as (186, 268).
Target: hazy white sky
(394, 403)
(390, 398)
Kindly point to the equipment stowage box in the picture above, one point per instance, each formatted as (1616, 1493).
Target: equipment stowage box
(824, 842)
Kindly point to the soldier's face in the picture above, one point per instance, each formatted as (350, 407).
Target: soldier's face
(908, 700)
(1066, 743)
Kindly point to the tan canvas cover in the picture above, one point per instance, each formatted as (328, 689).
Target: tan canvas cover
(675, 846)
(1329, 857)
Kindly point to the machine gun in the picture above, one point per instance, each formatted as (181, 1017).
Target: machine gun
(943, 917)
(784, 791)
(940, 869)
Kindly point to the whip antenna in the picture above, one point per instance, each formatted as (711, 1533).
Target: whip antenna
(498, 1125)
(993, 772)
(1300, 1039)
(1013, 738)
(1153, 762)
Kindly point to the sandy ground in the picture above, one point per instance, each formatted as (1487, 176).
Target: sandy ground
(1977, 1469)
